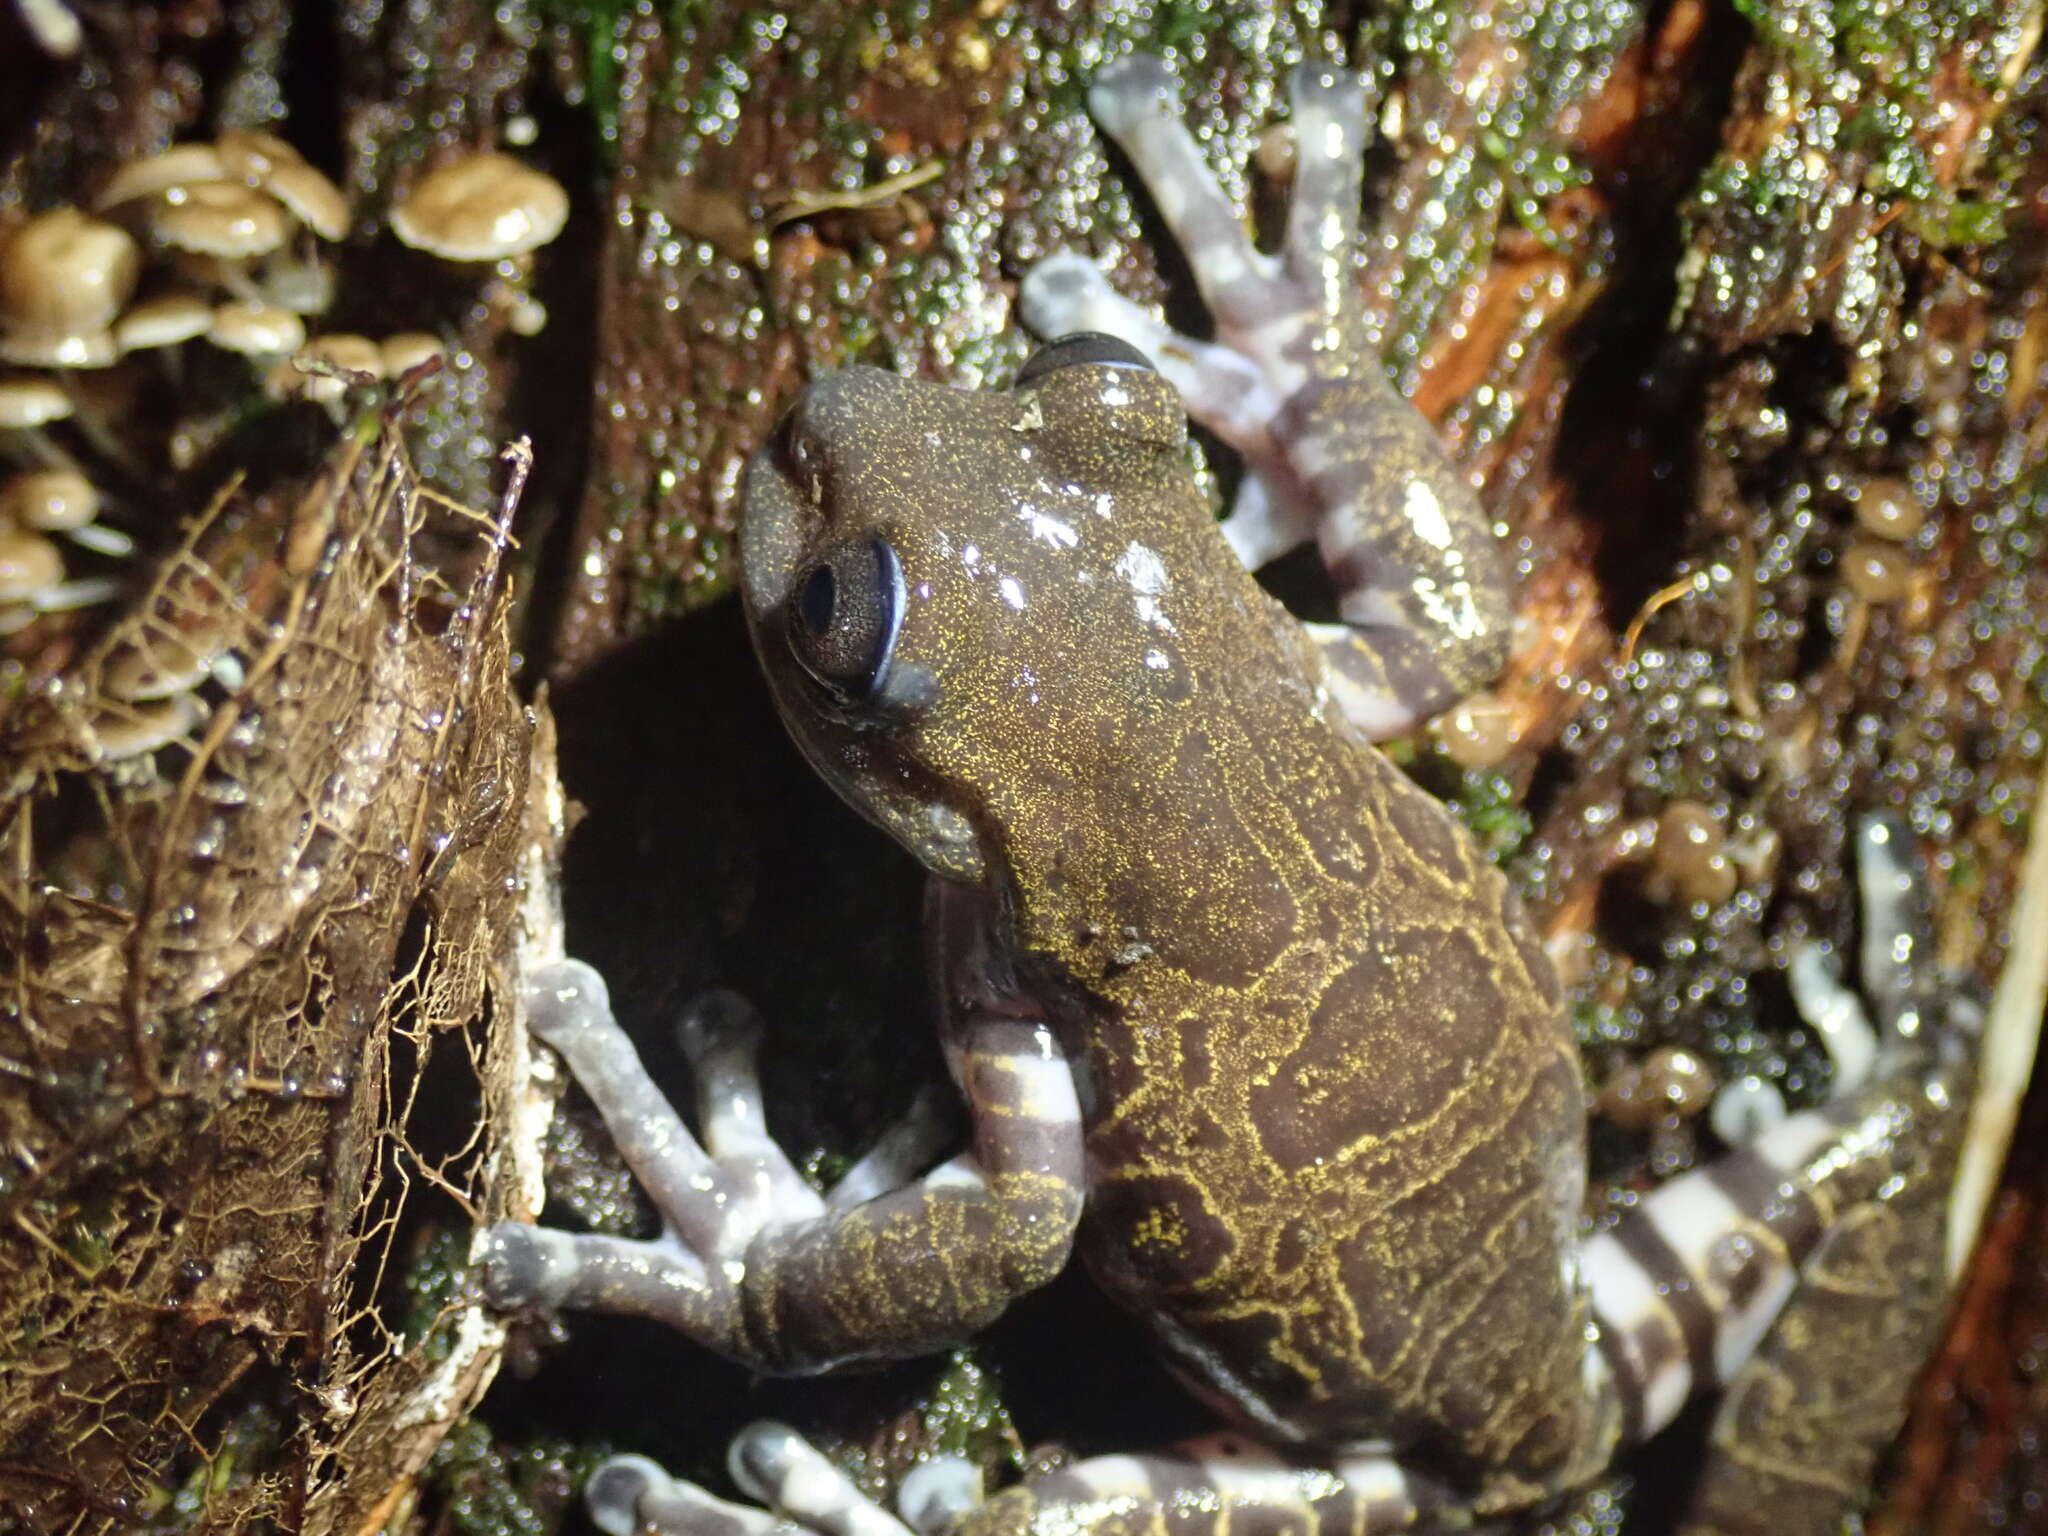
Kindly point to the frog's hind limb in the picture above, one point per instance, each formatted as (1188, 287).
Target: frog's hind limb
(1799, 1433)
(1332, 451)
(1217, 1483)
(752, 1262)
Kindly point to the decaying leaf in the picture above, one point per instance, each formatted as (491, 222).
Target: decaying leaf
(271, 849)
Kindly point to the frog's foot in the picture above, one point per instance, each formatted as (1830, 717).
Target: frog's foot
(1331, 450)
(1803, 1269)
(754, 1263)
(1239, 1487)
(803, 1492)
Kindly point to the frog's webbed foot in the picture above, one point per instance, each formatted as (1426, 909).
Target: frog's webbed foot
(754, 1263)
(1234, 1484)
(1332, 452)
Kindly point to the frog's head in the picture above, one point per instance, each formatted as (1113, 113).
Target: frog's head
(965, 602)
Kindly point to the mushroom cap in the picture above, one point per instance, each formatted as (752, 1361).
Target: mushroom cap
(357, 354)
(263, 160)
(220, 218)
(249, 154)
(158, 666)
(182, 165)
(31, 402)
(259, 330)
(163, 322)
(48, 347)
(29, 564)
(129, 730)
(483, 208)
(301, 284)
(48, 500)
(315, 201)
(66, 271)
(406, 350)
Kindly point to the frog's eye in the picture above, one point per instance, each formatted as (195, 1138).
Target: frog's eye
(1077, 349)
(844, 612)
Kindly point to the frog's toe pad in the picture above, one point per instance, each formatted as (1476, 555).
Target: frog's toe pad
(776, 1465)
(1126, 91)
(718, 1020)
(526, 1266)
(565, 999)
(1063, 294)
(936, 1495)
(614, 1491)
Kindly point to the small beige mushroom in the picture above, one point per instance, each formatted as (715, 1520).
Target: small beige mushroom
(1477, 732)
(182, 165)
(255, 329)
(159, 666)
(302, 284)
(163, 322)
(131, 730)
(49, 500)
(220, 218)
(27, 402)
(292, 379)
(483, 208)
(30, 565)
(407, 350)
(266, 162)
(53, 25)
(63, 277)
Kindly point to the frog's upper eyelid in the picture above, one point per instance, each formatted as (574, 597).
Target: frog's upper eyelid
(1097, 348)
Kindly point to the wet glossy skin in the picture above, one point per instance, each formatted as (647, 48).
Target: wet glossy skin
(1333, 1107)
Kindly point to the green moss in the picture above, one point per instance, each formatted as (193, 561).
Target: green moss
(491, 1489)
(1569, 48)
(1486, 802)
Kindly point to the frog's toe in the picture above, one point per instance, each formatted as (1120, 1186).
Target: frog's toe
(564, 1000)
(720, 1033)
(1328, 124)
(527, 1266)
(1224, 390)
(936, 1495)
(778, 1466)
(1128, 90)
(1137, 104)
(630, 1494)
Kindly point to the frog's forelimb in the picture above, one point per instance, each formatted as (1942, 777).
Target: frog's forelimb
(754, 1263)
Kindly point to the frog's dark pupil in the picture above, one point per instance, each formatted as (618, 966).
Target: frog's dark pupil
(815, 603)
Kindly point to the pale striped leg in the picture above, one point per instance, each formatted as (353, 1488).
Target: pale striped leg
(1687, 1290)
(1293, 385)
(1221, 1485)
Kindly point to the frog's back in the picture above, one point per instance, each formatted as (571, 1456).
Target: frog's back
(1339, 1137)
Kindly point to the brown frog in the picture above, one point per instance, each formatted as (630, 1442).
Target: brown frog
(1234, 1006)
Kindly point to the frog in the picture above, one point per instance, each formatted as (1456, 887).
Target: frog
(1238, 1012)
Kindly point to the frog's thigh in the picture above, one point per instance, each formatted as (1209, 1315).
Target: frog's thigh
(1802, 1426)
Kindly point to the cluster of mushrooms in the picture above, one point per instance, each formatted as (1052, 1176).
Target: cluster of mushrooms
(221, 244)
